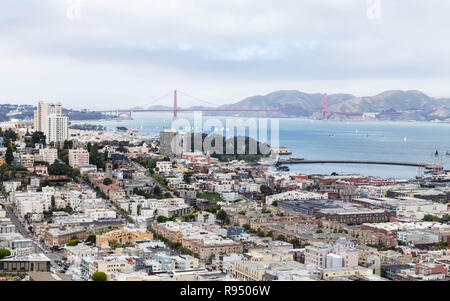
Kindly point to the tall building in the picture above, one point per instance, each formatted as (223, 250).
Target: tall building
(171, 142)
(78, 157)
(108, 170)
(48, 119)
(57, 128)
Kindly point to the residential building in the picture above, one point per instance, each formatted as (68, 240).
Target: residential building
(78, 157)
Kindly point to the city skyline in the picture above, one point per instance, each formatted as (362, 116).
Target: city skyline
(93, 54)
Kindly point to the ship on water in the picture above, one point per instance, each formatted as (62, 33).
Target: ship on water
(282, 151)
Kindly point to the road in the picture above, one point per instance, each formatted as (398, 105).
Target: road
(15, 220)
(38, 248)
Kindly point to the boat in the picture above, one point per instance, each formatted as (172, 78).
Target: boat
(282, 151)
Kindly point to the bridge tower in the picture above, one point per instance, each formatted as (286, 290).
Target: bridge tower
(175, 104)
(325, 107)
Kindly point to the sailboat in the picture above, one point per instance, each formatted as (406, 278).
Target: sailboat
(405, 139)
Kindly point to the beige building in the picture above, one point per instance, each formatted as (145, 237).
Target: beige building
(116, 194)
(56, 237)
(49, 154)
(257, 270)
(111, 265)
(340, 254)
(78, 157)
(124, 236)
(27, 160)
(332, 273)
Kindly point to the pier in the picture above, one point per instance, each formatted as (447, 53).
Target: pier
(434, 166)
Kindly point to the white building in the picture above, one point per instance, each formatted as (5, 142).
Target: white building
(57, 128)
(48, 119)
(49, 154)
(78, 157)
(164, 166)
(295, 195)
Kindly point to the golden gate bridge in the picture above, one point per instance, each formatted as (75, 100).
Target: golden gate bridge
(176, 109)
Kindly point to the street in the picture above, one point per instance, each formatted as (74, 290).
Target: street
(38, 248)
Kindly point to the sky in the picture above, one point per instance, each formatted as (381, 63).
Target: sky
(112, 54)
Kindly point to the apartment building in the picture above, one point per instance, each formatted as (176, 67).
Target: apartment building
(78, 157)
(340, 254)
(49, 154)
(57, 237)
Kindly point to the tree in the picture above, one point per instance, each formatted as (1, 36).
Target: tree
(107, 181)
(9, 157)
(295, 242)
(156, 190)
(73, 242)
(95, 157)
(68, 144)
(38, 137)
(281, 237)
(99, 276)
(91, 238)
(223, 216)
(431, 218)
(122, 149)
(4, 253)
(266, 190)
(114, 244)
(161, 219)
(275, 203)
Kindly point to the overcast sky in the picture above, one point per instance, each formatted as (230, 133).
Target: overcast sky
(119, 53)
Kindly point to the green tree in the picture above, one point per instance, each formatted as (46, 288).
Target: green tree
(114, 244)
(99, 276)
(73, 242)
(266, 190)
(91, 238)
(161, 219)
(9, 157)
(156, 190)
(275, 203)
(223, 216)
(295, 242)
(281, 237)
(95, 157)
(68, 144)
(4, 253)
(38, 137)
(107, 181)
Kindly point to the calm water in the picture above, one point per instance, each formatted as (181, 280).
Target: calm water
(338, 140)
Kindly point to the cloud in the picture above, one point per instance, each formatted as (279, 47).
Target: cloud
(121, 52)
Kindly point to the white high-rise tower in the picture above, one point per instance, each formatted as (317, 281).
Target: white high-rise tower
(48, 119)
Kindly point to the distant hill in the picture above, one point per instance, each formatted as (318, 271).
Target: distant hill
(288, 100)
(414, 105)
